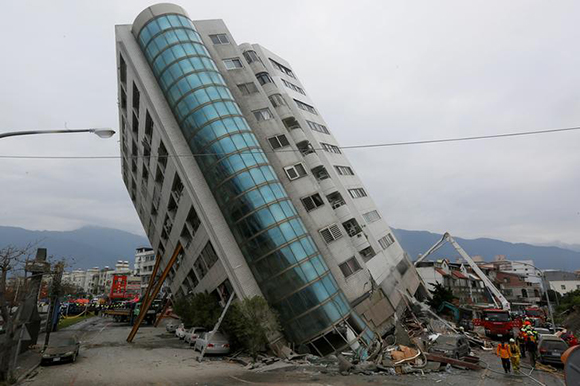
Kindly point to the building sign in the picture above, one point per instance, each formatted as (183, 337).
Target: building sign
(119, 286)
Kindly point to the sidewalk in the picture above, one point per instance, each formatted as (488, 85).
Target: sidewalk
(27, 363)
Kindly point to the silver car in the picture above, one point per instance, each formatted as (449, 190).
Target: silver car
(218, 344)
(192, 334)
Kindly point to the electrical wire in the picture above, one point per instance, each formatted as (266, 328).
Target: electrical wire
(348, 147)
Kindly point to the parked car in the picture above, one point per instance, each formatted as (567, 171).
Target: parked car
(543, 331)
(453, 346)
(218, 344)
(171, 326)
(551, 348)
(192, 334)
(61, 348)
(180, 331)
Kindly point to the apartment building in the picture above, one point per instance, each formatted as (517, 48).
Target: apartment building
(225, 154)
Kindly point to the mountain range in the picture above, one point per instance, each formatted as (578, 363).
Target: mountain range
(544, 257)
(97, 247)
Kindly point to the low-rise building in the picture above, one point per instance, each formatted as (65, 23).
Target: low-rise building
(144, 264)
(456, 277)
(516, 287)
(562, 281)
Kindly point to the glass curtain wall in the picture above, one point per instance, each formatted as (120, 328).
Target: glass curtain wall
(282, 256)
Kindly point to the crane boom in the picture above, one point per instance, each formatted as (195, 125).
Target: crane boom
(488, 283)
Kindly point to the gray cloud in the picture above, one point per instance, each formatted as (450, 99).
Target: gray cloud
(378, 71)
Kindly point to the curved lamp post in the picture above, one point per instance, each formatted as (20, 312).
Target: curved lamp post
(101, 132)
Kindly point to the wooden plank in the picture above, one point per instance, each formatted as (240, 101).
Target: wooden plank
(151, 296)
(452, 361)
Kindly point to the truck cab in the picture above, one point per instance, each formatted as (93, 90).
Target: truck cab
(497, 323)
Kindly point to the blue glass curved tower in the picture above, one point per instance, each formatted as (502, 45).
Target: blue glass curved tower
(282, 256)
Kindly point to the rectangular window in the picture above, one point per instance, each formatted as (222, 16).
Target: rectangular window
(403, 266)
(386, 241)
(251, 56)
(367, 253)
(318, 127)
(219, 39)
(330, 148)
(232, 64)
(248, 88)
(344, 170)
(278, 141)
(263, 114)
(209, 255)
(295, 171)
(277, 100)
(122, 69)
(357, 193)
(263, 78)
(136, 97)
(330, 233)
(371, 216)
(312, 202)
(292, 86)
(282, 68)
(349, 267)
(305, 107)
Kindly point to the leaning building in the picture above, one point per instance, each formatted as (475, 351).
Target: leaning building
(224, 153)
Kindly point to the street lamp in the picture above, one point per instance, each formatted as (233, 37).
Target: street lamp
(101, 132)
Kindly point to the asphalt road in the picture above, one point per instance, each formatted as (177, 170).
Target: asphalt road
(158, 358)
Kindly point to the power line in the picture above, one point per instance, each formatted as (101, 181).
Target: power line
(367, 146)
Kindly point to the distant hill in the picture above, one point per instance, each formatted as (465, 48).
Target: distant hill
(84, 248)
(96, 247)
(545, 257)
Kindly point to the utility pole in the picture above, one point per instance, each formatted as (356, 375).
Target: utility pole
(55, 293)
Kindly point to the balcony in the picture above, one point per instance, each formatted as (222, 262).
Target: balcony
(298, 134)
(312, 160)
(327, 185)
(352, 227)
(320, 173)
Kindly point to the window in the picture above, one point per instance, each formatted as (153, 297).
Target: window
(282, 68)
(371, 216)
(367, 253)
(351, 227)
(318, 127)
(263, 78)
(122, 69)
(312, 202)
(357, 193)
(277, 100)
(251, 56)
(248, 88)
(232, 64)
(278, 141)
(295, 171)
(386, 241)
(403, 266)
(136, 97)
(209, 255)
(292, 86)
(305, 107)
(193, 281)
(219, 39)
(563, 287)
(330, 148)
(331, 233)
(263, 114)
(349, 267)
(344, 170)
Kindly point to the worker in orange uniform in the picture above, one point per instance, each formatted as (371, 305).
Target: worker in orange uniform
(514, 354)
(503, 351)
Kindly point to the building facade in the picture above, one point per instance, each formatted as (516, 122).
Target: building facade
(562, 281)
(144, 264)
(225, 154)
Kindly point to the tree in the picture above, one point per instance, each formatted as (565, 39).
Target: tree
(250, 323)
(198, 310)
(12, 262)
(440, 294)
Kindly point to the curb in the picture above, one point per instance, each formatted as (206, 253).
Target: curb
(27, 373)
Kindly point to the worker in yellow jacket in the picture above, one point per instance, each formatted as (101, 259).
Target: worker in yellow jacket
(503, 351)
(514, 355)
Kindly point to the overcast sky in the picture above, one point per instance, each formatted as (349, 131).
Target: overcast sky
(378, 71)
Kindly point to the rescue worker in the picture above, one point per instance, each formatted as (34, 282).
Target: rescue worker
(532, 348)
(503, 351)
(522, 342)
(514, 355)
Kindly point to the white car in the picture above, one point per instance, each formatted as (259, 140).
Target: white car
(192, 334)
(218, 344)
(180, 331)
